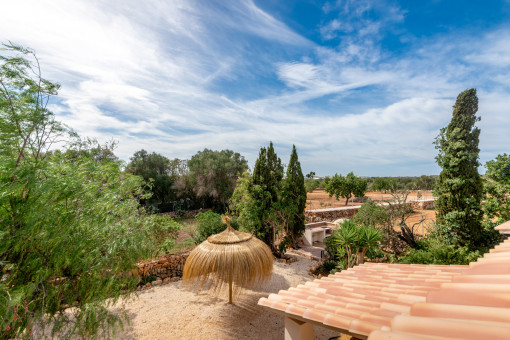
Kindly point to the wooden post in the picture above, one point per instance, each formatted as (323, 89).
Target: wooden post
(230, 288)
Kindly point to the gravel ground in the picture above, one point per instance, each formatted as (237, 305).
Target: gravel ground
(171, 312)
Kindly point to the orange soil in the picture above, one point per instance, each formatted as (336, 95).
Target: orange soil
(319, 199)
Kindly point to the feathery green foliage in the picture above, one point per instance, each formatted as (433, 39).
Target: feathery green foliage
(71, 230)
(459, 188)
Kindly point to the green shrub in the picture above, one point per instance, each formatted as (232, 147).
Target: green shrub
(371, 214)
(356, 240)
(436, 251)
(163, 231)
(209, 223)
(148, 279)
(334, 252)
(374, 253)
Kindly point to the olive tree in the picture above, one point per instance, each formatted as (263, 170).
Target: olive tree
(346, 187)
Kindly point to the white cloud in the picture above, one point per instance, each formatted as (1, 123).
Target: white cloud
(493, 50)
(152, 75)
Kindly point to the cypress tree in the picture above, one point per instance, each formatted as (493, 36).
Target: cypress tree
(267, 177)
(459, 189)
(294, 198)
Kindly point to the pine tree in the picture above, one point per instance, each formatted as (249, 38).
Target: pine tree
(294, 198)
(459, 188)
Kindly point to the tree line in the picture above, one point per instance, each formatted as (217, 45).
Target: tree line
(382, 184)
(207, 180)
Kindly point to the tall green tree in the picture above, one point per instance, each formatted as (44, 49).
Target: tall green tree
(257, 198)
(497, 187)
(294, 198)
(381, 184)
(267, 177)
(425, 182)
(346, 187)
(459, 188)
(155, 169)
(71, 228)
(213, 174)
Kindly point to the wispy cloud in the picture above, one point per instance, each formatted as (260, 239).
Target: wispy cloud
(175, 77)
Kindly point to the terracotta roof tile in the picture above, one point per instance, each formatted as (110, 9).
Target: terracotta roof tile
(363, 327)
(452, 328)
(401, 301)
(483, 278)
(436, 310)
(385, 335)
(337, 321)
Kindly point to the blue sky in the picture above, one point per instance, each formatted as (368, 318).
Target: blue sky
(356, 85)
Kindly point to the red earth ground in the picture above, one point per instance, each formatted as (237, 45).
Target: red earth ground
(319, 199)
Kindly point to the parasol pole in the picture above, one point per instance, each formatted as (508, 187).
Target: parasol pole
(227, 220)
(230, 288)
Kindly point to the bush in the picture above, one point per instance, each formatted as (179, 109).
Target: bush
(163, 230)
(334, 252)
(325, 268)
(371, 214)
(312, 184)
(209, 223)
(436, 251)
(374, 253)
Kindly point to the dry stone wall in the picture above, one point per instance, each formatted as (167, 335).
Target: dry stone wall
(423, 204)
(330, 215)
(333, 214)
(164, 269)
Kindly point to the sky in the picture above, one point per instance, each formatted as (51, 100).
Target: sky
(356, 85)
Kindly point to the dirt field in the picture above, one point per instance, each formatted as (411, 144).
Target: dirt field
(319, 199)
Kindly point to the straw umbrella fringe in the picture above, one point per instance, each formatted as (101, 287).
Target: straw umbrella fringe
(231, 258)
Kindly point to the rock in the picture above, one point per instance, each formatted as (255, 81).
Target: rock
(148, 284)
(157, 282)
(168, 279)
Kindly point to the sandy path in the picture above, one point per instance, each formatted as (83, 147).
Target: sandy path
(170, 312)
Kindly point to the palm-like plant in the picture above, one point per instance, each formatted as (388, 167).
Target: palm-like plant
(357, 240)
(347, 237)
(368, 237)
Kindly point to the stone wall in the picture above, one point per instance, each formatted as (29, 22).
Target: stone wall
(330, 214)
(333, 214)
(165, 268)
(423, 204)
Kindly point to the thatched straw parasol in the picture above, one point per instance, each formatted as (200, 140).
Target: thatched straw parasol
(230, 257)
